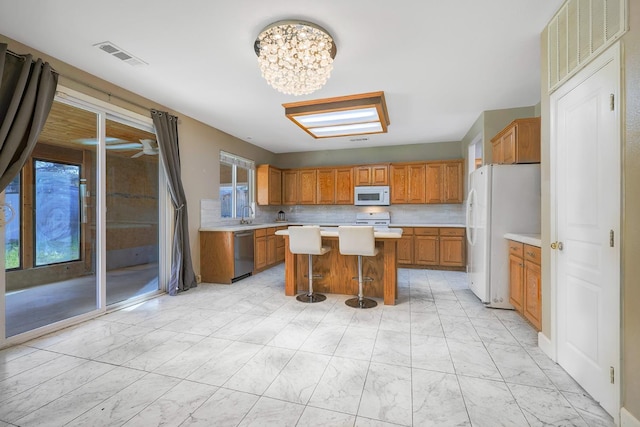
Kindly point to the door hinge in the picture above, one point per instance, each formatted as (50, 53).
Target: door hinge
(611, 238)
(612, 102)
(611, 374)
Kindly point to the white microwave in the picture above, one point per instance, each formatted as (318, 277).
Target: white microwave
(371, 195)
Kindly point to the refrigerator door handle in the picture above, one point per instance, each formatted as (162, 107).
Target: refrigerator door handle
(470, 201)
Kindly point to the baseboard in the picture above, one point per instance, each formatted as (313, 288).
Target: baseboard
(546, 346)
(628, 420)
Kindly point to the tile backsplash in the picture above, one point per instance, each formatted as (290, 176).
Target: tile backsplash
(339, 214)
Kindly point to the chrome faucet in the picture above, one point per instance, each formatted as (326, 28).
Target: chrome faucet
(248, 220)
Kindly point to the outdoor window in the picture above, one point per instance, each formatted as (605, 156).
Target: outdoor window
(236, 186)
(46, 203)
(57, 212)
(12, 241)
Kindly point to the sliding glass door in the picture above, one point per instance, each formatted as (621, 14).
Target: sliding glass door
(132, 212)
(50, 242)
(86, 218)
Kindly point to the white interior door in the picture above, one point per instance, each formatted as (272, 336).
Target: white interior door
(586, 143)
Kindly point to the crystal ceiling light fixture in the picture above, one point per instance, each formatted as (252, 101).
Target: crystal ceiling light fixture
(295, 57)
(360, 114)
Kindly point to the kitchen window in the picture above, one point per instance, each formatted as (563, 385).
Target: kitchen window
(237, 180)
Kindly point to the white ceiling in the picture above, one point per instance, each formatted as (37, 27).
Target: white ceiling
(440, 63)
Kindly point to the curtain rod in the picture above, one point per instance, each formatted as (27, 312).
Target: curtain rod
(109, 94)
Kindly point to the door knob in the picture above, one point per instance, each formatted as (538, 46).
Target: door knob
(557, 245)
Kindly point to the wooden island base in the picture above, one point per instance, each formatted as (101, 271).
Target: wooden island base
(338, 271)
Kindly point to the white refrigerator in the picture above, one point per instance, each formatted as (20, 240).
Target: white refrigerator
(502, 199)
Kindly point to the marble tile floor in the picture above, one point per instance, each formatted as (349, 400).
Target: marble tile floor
(246, 355)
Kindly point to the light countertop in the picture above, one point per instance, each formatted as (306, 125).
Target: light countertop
(242, 227)
(389, 233)
(528, 239)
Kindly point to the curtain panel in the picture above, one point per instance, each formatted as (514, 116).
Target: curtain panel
(182, 275)
(27, 90)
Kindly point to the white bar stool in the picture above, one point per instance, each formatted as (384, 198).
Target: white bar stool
(306, 240)
(358, 240)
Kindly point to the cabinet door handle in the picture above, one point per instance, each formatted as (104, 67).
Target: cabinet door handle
(531, 254)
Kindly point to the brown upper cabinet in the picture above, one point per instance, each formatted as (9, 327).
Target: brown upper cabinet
(307, 181)
(407, 182)
(444, 182)
(289, 187)
(335, 186)
(519, 142)
(326, 187)
(344, 186)
(269, 184)
(426, 182)
(372, 174)
(410, 182)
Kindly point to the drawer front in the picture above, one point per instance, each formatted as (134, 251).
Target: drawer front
(452, 231)
(516, 248)
(407, 231)
(271, 231)
(425, 231)
(260, 232)
(532, 253)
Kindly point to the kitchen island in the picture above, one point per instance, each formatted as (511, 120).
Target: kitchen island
(339, 270)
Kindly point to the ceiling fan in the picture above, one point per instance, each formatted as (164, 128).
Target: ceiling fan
(149, 147)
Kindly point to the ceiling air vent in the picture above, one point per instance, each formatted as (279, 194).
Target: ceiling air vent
(122, 55)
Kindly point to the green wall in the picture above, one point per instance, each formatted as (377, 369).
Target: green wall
(630, 269)
(399, 153)
(631, 215)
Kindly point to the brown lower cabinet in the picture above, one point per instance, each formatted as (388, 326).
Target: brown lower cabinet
(268, 249)
(441, 248)
(525, 281)
(217, 251)
(216, 256)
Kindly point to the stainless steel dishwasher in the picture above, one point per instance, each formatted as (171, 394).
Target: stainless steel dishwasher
(242, 254)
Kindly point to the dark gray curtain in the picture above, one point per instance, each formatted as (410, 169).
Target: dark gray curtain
(182, 276)
(26, 94)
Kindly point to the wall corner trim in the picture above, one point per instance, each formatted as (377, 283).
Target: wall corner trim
(627, 419)
(546, 345)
